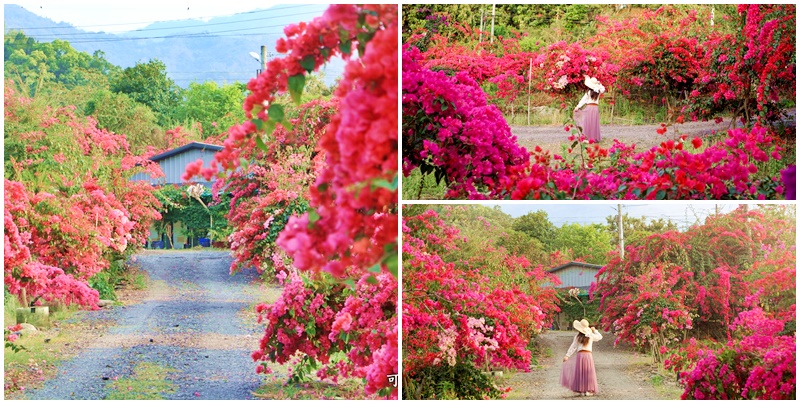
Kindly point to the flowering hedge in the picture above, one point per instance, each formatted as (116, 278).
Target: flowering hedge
(454, 321)
(450, 130)
(349, 231)
(732, 278)
(65, 218)
(670, 57)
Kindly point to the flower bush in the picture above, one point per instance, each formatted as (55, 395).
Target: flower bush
(454, 319)
(730, 279)
(450, 130)
(349, 231)
(668, 57)
(66, 219)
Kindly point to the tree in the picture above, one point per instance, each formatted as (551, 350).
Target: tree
(216, 108)
(118, 113)
(537, 226)
(590, 243)
(148, 84)
(636, 230)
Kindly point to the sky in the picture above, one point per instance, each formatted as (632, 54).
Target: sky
(682, 213)
(106, 16)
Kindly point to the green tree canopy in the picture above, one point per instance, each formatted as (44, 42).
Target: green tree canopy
(215, 107)
(537, 225)
(590, 243)
(636, 230)
(147, 83)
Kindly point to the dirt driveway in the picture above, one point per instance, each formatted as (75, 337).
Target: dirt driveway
(621, 373)
(644, 136)
(193, 320)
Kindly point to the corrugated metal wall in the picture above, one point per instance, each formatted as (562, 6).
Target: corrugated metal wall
(575, 276)
(174, 167)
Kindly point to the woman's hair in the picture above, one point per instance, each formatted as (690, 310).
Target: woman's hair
(583, 339)
(594, 94)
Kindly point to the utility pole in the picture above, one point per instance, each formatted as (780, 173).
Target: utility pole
(264, 57)
(530, 75)
(621, 232)
(492, 37)
(480, 37)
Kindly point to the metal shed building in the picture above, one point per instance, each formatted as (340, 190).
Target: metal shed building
(173, 163)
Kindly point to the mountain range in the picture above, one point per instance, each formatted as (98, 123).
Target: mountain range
(193, 50)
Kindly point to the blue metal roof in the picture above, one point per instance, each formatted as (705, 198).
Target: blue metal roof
(577, 264)
(186, 147)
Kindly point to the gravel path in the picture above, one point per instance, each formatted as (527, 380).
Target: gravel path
(644, 136)
(191, 320)
(615, 373)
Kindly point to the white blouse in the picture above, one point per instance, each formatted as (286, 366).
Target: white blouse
(587, 99)
(595, 336)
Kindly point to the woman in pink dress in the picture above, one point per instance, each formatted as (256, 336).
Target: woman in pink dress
(579, 374)
(590, 116)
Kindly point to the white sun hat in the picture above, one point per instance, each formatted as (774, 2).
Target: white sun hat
(582, 326)
(593, 84)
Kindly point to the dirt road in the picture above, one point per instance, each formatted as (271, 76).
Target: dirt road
(619, 373)
(644, 136)
(193, 320)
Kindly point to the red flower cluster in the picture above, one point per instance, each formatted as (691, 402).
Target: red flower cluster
(451, 312)
(350, 228)
(78, 214)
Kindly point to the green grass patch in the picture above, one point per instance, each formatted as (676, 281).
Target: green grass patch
(350, 389)
(148, 382)
(42, 352)
(417, 186)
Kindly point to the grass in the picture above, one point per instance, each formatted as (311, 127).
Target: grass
(42, 352)
(316, 390)
(53, 344)
(429, 188)
(148, 382)
(664, 384)
(626, 112)
(275, 387)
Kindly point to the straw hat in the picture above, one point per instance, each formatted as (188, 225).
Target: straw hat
(582, 327)
(593, 84)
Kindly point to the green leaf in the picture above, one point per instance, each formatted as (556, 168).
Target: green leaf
(363, 38)
(325, 52)
(269, 127)
(311, 329)
(243, 162)
(308, 62)
(376, 269)
(390, 248)
(349, 282)
(313, 216)
(382, 183)
(345, 47)
(392, 263)
(661, 194)
(259, 124)
(275, 112)
(344, 35)
(260, 143)
(372, 280)
(296, 84)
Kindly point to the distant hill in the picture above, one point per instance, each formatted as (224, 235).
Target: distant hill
(193, 50)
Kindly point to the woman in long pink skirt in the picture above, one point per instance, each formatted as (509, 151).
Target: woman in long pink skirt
(578, 374)
(589, 117)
